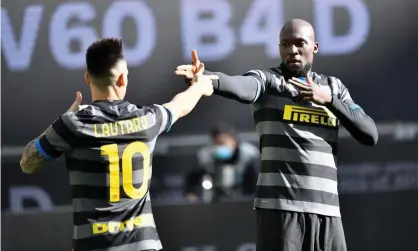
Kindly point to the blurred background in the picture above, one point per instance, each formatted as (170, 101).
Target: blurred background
(201, 193)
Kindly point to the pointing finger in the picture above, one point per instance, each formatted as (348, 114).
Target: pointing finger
(298, 84)
(180, 73)
(186, 67)
(212, 77)
(198, 78)
(195, 58)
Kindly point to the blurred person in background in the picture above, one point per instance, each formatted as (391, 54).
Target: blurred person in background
(230, 165)
(109, 147)
(297, 114)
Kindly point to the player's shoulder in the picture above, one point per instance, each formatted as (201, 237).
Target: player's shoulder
(266, 75)
(84, 112)
(336, 85)
(151, 109)
(324, 79)
(268, 71)
(76, 120)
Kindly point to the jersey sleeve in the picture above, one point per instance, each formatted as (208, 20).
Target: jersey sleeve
(344, 96)
(53, 143)
(265, 81)
(163, 118)
(245, 89)
(261, 80)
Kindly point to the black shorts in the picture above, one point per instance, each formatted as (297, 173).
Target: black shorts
(292, 231)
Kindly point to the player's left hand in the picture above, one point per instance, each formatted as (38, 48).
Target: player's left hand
(188, 71)
(76, 106)
(310, 91)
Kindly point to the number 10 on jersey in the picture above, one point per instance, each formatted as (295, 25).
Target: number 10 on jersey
(112, 152)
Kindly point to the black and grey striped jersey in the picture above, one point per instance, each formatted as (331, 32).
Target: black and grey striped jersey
(108, 149)
(298, 143)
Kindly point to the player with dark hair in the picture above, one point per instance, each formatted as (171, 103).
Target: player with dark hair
(297, 114)
(108, 147)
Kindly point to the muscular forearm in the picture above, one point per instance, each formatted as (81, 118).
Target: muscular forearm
(359, 124)
(244, 89)
(184, 102)
(32, 161)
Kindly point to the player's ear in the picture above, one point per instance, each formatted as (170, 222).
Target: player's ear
(121, 81)
(87, 78)
(316, 48)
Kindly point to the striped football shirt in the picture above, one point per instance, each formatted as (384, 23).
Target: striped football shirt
(298, 142)
(108, 149)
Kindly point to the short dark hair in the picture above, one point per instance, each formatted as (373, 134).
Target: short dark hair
(222, 128)
(102, 55)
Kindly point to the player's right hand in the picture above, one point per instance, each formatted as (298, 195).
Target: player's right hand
(188, 71)
(203, 81)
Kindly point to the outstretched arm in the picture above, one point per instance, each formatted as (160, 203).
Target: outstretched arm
(184, 102)
(245, 89)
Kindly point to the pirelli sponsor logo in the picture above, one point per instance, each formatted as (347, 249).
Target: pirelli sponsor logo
(309, 115)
